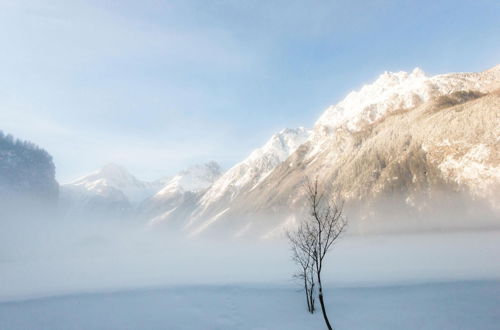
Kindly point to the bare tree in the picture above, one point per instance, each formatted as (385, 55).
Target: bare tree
(315, 235)
(305, 274)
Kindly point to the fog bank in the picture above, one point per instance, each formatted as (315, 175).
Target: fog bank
(43, 258)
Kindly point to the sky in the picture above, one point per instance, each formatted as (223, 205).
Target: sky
(157, 86)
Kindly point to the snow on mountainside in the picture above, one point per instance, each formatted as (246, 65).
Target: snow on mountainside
(396, 91)
(247, 174)
(196, 178)
(255, 167)
(173, 203)
(115, 177)
(424, 143)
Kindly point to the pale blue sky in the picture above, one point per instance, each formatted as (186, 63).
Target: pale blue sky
(160, 85)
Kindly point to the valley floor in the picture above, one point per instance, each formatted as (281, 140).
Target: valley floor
(447, 305)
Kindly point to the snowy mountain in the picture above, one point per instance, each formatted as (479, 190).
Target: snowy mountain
(425, 145)
(109, 191)
(179, 195)
(408, 146)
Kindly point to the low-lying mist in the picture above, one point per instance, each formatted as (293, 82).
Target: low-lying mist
(44, 254)
(52, 256)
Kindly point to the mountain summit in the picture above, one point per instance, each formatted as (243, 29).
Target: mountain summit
(110, 191)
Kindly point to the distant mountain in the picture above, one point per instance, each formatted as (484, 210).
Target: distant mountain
(109, 192)
(179, 195)
(408, 151)
(27, 176)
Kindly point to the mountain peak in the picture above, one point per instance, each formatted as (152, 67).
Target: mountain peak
(280, 145)
(110, 174)
(417, 72)
(114, 177)
(390, 79)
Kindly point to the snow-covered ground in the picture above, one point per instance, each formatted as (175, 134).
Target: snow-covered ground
(459, 305)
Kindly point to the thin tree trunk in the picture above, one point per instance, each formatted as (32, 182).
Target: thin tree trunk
(309, 307)
(311, 297)
(306, 287)
(322, 303)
